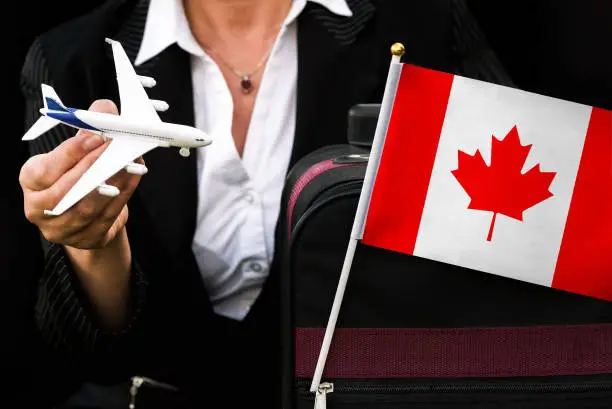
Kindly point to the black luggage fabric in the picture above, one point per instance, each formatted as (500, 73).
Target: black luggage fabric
(414, 333)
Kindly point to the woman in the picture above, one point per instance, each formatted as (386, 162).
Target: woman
(184, 290)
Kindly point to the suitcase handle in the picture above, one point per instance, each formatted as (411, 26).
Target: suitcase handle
(362, 119)
(351, 159)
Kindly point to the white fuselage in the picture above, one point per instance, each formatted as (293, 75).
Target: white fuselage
(113, 126)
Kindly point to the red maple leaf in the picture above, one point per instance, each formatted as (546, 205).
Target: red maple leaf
(502, 187)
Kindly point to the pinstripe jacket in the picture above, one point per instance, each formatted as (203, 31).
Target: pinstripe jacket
(173, 335)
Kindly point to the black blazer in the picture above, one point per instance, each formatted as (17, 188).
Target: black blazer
(173, 335)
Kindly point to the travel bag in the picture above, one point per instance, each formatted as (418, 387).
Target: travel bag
(415, 333)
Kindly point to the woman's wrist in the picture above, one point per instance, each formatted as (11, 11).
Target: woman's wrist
(105, 276)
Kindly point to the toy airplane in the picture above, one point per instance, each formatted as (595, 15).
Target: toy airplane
(137, 130)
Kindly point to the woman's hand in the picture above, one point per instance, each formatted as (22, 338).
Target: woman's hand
(94, 221)
(93, 230)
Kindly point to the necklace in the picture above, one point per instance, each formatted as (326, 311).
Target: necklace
(245, 78)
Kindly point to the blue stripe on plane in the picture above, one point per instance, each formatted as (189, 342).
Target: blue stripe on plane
(53, 105)
(68, 117)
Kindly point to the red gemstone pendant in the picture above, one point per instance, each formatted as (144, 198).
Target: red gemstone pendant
(246, 84)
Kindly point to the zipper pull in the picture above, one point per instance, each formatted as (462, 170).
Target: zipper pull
(138, 381)
(321, 395)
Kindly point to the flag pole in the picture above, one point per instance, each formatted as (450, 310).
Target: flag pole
(395, 69)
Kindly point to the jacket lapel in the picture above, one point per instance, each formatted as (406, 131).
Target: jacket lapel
(169, 190)
(335, 71)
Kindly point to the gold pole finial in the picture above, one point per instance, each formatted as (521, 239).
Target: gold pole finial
(398, 49)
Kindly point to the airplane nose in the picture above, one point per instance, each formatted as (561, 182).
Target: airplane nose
(203, 139)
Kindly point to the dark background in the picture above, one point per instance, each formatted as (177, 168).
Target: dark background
(553, 47)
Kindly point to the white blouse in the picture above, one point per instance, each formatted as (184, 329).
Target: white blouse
(238, 198)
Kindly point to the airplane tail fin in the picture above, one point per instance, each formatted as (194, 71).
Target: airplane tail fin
(50, 99)
(52, 103)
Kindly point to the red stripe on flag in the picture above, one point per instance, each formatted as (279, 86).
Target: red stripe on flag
(584, 264)
(401, 184)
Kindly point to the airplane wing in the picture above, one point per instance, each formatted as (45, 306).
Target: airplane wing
(119, 153)
(134, 102)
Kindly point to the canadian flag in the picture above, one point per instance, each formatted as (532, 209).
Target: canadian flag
(496, 179)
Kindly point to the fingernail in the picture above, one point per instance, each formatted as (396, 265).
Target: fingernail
(91, 142)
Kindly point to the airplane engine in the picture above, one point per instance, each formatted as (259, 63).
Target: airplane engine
(147, 82)
(160, 105)
(107, 190)
(136, 169)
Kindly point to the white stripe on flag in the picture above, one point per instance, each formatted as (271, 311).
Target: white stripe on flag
(450, 232)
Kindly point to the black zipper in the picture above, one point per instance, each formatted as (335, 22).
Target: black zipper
(302, 165)
(336, 192)
(352, 187)
(396, 387)
(139, 381)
